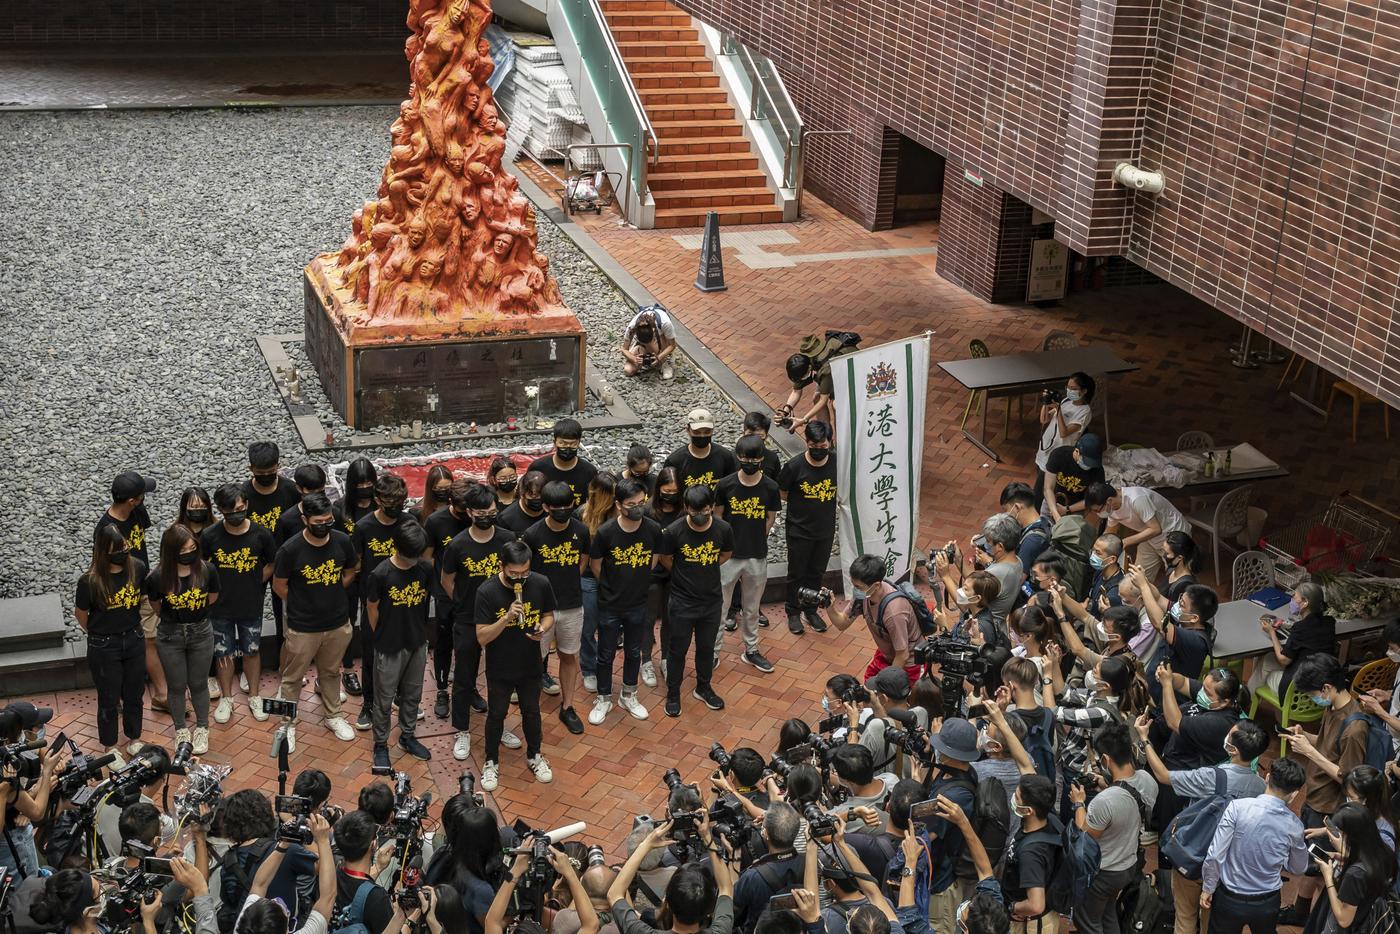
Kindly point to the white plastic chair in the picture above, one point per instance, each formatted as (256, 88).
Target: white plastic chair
(1253, 572)
(1225, 521)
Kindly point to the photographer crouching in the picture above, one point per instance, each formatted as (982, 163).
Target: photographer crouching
(886, 612)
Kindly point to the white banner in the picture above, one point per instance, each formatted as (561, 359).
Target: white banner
(880, 395)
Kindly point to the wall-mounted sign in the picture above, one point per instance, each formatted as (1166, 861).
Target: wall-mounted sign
(974, 177)
(1049, 266)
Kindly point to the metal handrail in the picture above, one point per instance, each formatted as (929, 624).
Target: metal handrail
(802, 165)
(782, 115)
(627, 84)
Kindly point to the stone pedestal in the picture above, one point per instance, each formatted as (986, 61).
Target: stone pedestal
(474, 369)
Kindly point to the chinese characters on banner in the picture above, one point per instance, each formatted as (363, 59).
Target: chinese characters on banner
(880, 396)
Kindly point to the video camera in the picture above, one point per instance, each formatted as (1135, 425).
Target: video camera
(80, 770)
(296, 828)
(124, 892)
(958, 660)
(123, 786)
(20, 762)
(539, 874)
(199, 794)
(909, 736)
(811, 598)
(409, 811)
(466, 784)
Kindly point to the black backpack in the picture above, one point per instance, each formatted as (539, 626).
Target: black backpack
(236, 879)
(1059, 893)
(1038, 744)
(928, 626)
(991, 819)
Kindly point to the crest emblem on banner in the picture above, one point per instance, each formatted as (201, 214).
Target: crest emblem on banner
(881, 381)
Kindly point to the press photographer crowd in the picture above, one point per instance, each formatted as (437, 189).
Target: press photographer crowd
(1033, 737)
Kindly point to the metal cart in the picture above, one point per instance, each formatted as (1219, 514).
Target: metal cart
(1348, 535)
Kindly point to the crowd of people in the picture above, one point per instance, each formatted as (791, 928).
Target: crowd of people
(1023, 741)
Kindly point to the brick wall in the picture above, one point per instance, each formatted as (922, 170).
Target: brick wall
(984, 242)
(37, 22)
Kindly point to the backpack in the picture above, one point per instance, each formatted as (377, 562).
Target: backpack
(1189, 835)
(1141, 908)
(1059, 892)
(1379, 751)
(235, 880)
(928, 626)
(1064, 538)
(991, 819)
(1081, 855)
(1038, 744)
(351, 919)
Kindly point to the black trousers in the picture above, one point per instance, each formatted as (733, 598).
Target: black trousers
(118, 665)
(1231, 913)
(367, 653)
(807, 558)
(498, 691)
(467, 652)
(688, 623)
(442, 649)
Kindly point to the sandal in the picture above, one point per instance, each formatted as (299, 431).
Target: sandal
(160, 703)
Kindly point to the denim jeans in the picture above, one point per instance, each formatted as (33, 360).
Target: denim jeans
(17, 850)
(118, 664)
(632, 623)
(588, 652)
(186, 651)
(687, 623)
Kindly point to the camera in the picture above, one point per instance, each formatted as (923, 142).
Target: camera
(125, 891)
(819, 823)
(22, 761)
(596, 856)
(200, 792)
(951, 553)
(912, 740)
(1088, 781)
(719, 757)
(833, 722)
(958, 660)
(811, 598)
(855, 694)
(81, 770)
(779, 766)
(407, 819)
(124, 785)
(410, 898)
(295, 829)
(1051, 396)
(466, 784)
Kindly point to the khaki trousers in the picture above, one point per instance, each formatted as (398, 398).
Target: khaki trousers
(301, 650)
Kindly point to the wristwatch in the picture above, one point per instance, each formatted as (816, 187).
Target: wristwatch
(1047, 680)
(906, 872)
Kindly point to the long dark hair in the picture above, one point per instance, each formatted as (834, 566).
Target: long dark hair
(194, 494)
(659, 508)
(100, 579)
(477, 850)
(171, 544)
(67, 894)
(1371, 787)
(1364, 847)
(361, 472)
(428, 505)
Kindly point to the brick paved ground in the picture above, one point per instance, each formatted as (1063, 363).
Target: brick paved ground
(1185, 382)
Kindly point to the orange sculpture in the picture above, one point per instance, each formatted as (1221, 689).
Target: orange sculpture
(448, 247)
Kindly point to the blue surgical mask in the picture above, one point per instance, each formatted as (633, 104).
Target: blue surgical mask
(1095, 561)
(1320, 701)
(1203, 699)
(1295, 607)
(826, 705)
(1176, 611)
(857, 594)
(1073, 395)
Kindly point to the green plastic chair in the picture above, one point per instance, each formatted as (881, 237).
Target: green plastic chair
(1130, 446)
(1297, 707)
(978, 397)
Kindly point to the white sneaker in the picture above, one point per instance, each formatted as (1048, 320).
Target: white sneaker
(243, 683)
(463, 747)
(590, 684)
(648, 674)
(490, 776)
(601, 705)
(341, 729)
(201, 740)
(135, 746)
(181, 736)
(214, 691)
(510, 740)
(223, 711)
(256, 709)
(629, 703)
(289, 731)
(540, 767)
(344, 698)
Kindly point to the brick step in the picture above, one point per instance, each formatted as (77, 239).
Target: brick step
(690, 145)
(636, 6)
(618, 19)
(638, 65)
(686, 164)
(673, 81)
(682, 97)
(703, 128)
(667, 113)
(682, 181)
(671, 218)
(654, 48)
(711, 197)
(632, 34)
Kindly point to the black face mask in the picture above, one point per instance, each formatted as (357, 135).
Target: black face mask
(236, 517)
(670, 497)
(561, 514)
(188, 558)
(393, 512)
(566, 454)
(818, 454)
(442, 496)
(265, 479)
(516, 581)
(197, 515)
(484, 522)
(507, 486)
(750, 469)
(697, 520)
(700, 441)
(319, 529)
(534, 505)
(633, 512)
(364, 495)
(118, 557)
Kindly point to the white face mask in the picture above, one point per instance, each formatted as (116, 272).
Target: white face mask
(1019, 651)
(1102, 630)
(962, 597)
(1091, 681)
(1393, 656)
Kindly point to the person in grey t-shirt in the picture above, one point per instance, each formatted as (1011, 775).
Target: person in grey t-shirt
(1001, 533)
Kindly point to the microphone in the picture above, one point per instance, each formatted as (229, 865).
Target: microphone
(558, 835)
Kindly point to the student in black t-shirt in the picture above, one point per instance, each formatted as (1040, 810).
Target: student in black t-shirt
(639, 464)
(107, 607)
(528, 508)
(514, 610)
(565, 463)
(182, 588)
(621, 556)
(695, 548)
(373, 540)
(269, 494)
(560, 545)
(313, 574)
(504, 481)
(750, 502)
(396, 610)
(1034, 855)
(757, 425)
(308, 478)
(1069, 471)
(701, 461)
(129, 516)
(472, 558)
(244, 554)
(443, 526)
(808, 486)
(360, 478)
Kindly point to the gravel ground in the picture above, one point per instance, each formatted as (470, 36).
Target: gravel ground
(147, 249)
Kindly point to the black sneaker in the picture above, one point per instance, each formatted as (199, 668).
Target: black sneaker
(571, 720)
(417, 750)
(756, 659)
(365, 720)
(443, 707)
(478, 702)
(711, 699)
(1292, 917)
(352, 684)
(381, 759)
(762, 620)
(731, 624)
(673, 708)
(816, 622)
(795, 624)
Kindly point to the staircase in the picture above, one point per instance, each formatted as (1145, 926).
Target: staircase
(706, 162)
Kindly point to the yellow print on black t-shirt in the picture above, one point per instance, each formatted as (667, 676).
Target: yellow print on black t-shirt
(563, 554)
(125, 599)
(486, 567)
(327, 573)
(707, 553)
(751, 508)
(137, 539)
(707, 478)
(529, 619)
(821, 492)
(637, 555)
(193, 599)
(381, 547)
(267, 520)
(409, 596)
(241, 561)
(1070, 483)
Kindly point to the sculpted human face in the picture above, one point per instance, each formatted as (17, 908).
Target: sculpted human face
(455, 164)
(488, 119)
(416, 234)
(501, 245)
(427, 269)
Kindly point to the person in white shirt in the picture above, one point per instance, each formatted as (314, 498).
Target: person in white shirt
(1064, 422)
(648, 342)
(1141, 517)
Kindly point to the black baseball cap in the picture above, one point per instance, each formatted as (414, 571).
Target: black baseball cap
(130, 485)
(891, 682)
